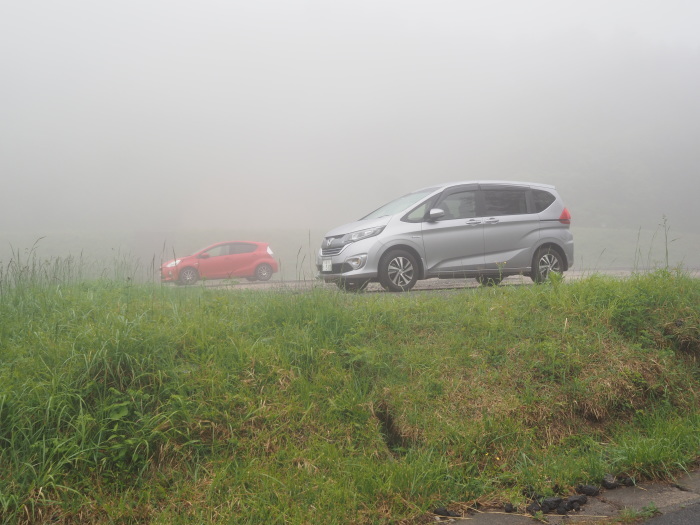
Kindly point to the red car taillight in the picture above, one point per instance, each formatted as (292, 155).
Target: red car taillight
(565, 217)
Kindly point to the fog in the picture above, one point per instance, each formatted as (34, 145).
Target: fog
(150, 122)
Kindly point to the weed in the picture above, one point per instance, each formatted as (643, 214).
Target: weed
(628, 515)
(125, 402)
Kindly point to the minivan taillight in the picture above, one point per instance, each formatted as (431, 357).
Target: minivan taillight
(565, 217)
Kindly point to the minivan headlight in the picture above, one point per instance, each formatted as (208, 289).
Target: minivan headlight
(362, 234)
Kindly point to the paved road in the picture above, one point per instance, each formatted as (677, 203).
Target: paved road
(678, 504)
(689, 515)
(429, 284)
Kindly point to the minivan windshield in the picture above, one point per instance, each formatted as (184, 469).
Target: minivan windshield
(400, 204)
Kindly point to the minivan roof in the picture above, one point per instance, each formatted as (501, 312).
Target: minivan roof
(505, 182)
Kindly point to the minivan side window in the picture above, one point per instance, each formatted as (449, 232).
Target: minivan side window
(505, 202)
(542, 200)
(461, 205)
(418, 214)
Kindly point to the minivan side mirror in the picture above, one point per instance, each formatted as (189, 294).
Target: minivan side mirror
(435, 214)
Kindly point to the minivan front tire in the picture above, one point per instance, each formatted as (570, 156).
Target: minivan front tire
(546, 261)
(398, 271)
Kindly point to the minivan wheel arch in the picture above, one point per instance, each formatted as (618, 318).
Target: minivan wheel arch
(554, 246)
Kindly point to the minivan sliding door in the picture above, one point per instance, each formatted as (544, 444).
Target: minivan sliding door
(510, 232)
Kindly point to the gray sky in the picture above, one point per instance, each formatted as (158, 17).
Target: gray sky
(167, 115)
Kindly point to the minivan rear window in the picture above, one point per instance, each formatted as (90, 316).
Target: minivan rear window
(543, 199)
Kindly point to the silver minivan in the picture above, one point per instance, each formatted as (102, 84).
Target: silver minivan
(485, 230)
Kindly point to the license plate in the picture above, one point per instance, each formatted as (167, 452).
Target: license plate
(327, 265)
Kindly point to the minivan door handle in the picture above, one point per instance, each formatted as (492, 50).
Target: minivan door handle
(491, 220)
(473, 222)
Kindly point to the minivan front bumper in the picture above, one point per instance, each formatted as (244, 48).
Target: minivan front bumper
(355, 261)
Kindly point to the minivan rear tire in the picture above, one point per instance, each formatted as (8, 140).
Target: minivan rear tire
(546, 261)
(398, 271)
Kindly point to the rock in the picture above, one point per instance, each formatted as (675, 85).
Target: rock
(581, 499)
(552, 503)
(508, 507)
(609, 482)
(533, 507)
(572, 503)
(588, 490)
(443, 511)
(561, 509)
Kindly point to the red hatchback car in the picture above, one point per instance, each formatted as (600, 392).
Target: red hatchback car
(223, 260)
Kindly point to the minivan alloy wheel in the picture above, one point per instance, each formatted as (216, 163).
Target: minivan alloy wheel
(397, 271)
(547, 261)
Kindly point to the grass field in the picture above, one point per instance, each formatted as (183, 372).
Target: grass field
(135, 403)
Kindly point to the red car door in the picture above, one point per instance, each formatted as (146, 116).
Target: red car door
(214, 262)
(242, 259)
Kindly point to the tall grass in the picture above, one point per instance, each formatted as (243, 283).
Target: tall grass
(124, 403)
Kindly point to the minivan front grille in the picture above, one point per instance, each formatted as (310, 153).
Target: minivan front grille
(330, 252)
